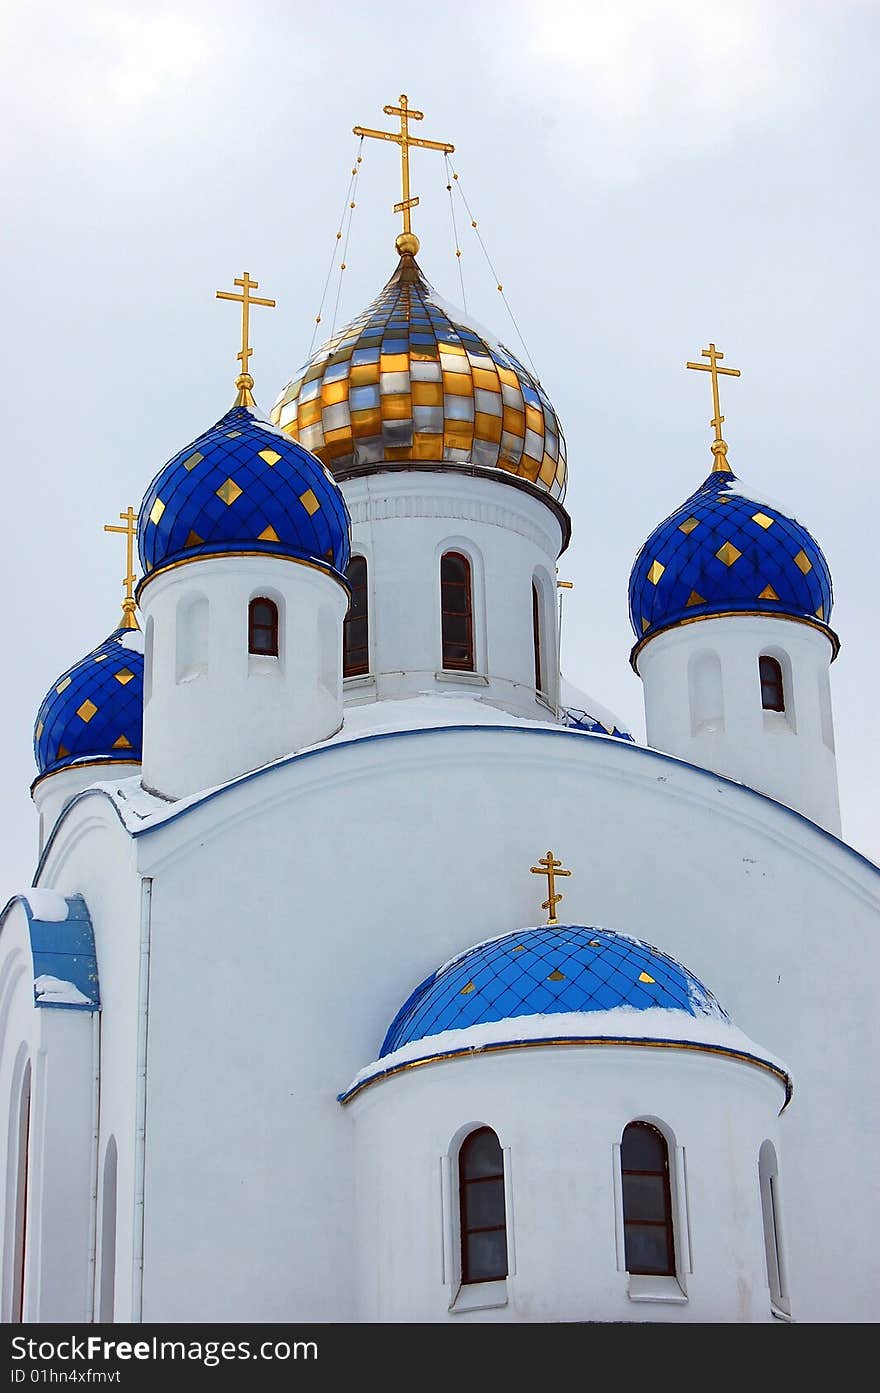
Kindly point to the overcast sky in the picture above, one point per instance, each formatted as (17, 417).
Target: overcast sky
(646, 177)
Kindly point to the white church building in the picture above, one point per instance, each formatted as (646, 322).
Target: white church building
(370, 973)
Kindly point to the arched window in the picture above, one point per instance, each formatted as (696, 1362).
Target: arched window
(355, 629)
(481, 1204)
(457, 611)
(19, 1231)
(647, 1202)
(772, 687)
(263, 627)
(768, 1177)
(107, 1291)
(536, 632)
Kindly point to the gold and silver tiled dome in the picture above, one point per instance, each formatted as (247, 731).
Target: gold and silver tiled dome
(409, 380)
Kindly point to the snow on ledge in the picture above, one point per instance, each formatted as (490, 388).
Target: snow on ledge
(56, 991)
(622, 1022)
(48, 906)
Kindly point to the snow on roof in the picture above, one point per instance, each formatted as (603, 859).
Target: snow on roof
(49, 906)
(574, 699)
(622, 1023)
(56, 991)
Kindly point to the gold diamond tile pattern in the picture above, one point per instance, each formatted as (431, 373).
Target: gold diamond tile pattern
(228, 492)
(762, 520)
(309, 502)
(87, 710)
(803, 562)
(123, 676)
(270, 456)
(688, 525)
(656, 571)
(728, 553)
(409, 380)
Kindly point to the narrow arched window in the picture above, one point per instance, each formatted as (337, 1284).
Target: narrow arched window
(263, 627)
(536, 633)
(107, 1289)
(19, 1232)
(772, 687)
(768, 1178)
(481, 1203)
(457, 611)
(647, 1201)
(356, 628)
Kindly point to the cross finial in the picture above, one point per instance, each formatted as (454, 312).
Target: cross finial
(550, 867)
(407, 241)
(129, 531)
(719, 444)
(244, 382)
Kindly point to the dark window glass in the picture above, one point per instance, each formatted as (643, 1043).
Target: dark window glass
(647, 1202)
(355, 630)
(481, 1202)
(772, 690)
(456, 606)
(536, 630)
(263, 627)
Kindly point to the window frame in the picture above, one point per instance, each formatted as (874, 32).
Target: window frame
(362, 667)
(465, 1231)
(667, 1223)
(468, 663)
(273, 628)
(536, 634)
(772, 684)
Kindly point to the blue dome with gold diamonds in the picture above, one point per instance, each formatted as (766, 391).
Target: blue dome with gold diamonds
(243, 486)
(547, 971)
(723, 551)
(95, 710)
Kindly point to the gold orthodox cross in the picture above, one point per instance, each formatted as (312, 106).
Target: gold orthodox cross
(407, 241)
(719, 444)
(244, 382)
(550, 867)
(129, 531)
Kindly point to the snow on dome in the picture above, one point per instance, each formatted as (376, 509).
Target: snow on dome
(94, 710)
(410, 380)
(583, 712)
(243, 486)
(543, 971)
(725, 551)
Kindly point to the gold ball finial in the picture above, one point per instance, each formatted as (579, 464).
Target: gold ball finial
(244, 382)
(407, 244)
(128, 614)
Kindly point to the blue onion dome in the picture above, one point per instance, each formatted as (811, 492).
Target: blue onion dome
(726, 552)
(409, 380)
(547, 971)
(243, 487)
(94, 711)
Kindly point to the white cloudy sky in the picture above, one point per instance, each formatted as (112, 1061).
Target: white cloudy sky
(646, 176)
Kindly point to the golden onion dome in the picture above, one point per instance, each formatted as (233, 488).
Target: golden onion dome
(409, 380)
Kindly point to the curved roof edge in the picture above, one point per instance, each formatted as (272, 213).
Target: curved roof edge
(62, 948)
(390, 1069)
(630, 750)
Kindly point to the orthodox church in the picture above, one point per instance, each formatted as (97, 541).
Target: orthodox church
(372, 973)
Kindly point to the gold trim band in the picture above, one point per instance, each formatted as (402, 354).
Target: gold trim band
(220, 555)
(736, 614)
(82, 764)
(597, 1040)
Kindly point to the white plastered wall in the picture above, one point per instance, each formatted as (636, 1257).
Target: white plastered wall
(787, 754)
(402, 523)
